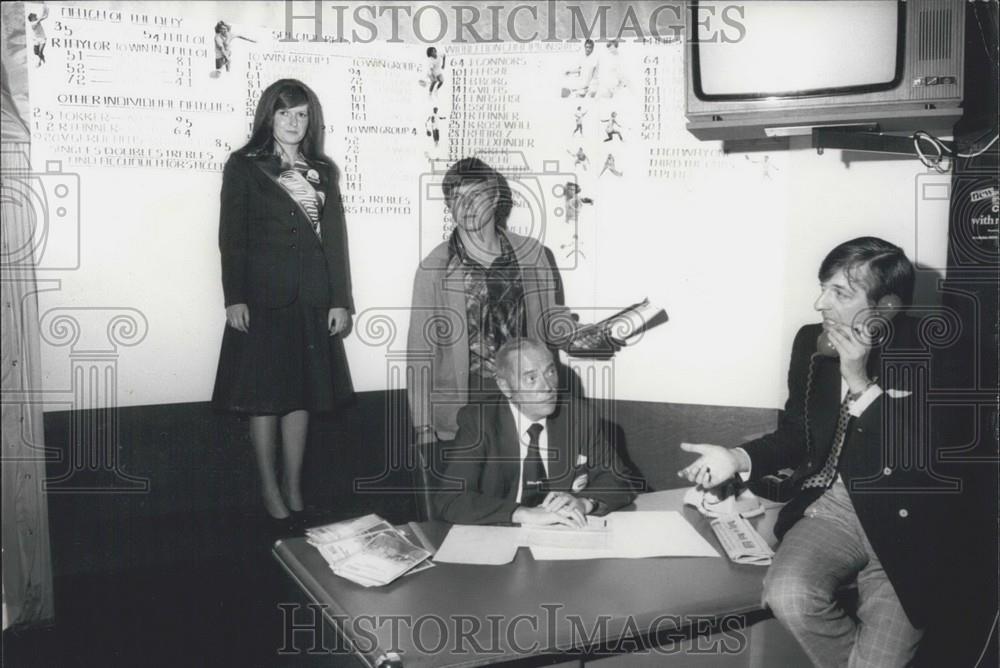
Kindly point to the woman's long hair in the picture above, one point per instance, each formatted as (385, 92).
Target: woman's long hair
(286, 94)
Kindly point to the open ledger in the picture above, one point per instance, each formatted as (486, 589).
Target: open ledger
(370, 551)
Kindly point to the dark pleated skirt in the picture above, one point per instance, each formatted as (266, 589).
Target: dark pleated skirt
(287, 361)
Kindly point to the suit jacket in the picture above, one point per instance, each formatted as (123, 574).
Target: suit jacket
(878, 463)
(270, 254)
(485, 459)
(438, 339)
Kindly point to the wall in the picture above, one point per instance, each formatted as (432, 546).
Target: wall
(728, 244)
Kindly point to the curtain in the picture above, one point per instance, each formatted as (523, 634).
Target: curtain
(27, 563)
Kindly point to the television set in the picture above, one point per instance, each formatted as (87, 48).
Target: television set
(763, 68)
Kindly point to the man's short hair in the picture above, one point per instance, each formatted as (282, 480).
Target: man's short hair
(474, 170)
(509, 354)
(889, 271)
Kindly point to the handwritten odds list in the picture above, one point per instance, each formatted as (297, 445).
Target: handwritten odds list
(573, 129)
(131, 89)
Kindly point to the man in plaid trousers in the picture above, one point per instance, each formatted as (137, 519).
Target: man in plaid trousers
(858, 514)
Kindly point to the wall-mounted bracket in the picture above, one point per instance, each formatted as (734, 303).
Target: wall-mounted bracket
(868, 142)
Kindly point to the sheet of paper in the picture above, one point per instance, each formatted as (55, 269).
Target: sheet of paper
(638, 535)
(597, 534)
(483, 545)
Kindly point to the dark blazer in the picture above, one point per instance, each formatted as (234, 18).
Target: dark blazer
(485, 459)
(270, 254)
(878, 463)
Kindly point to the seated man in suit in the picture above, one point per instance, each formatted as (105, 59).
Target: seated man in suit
(859, 512)
(525, 457)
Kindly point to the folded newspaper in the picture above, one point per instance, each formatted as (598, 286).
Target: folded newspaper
(742, 543)
(370, 551)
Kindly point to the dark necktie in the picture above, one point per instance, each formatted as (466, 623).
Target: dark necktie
(826, 475)
(533, 491)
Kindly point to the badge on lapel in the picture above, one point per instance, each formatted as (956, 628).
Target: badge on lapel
(582, 479)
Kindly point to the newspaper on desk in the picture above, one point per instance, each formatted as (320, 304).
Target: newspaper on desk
(368, 550)
(742, 543)
(728, 506)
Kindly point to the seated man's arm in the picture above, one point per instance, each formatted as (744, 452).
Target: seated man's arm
(474, 504)
(609, 483)
(467, 462)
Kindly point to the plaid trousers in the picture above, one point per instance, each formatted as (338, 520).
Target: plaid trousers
(825, 550)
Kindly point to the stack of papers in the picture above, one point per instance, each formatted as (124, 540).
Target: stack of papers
(368, 550)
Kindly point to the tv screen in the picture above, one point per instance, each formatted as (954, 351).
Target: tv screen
(792, 48)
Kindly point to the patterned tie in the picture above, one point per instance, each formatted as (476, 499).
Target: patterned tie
(826, 475)
(533, 491)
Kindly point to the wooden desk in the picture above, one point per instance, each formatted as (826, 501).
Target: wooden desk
(538, 612)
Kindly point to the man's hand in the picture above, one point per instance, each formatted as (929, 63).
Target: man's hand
(338, 321)
(566, 504)
(853, 347)
(715, 466)
(539, 516)
(591, 341)
(238, 317)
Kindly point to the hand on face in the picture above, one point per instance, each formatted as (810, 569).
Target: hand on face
(852, 346)
(844, 303)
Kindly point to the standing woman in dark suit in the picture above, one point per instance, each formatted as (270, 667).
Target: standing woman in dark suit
(286, 279)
